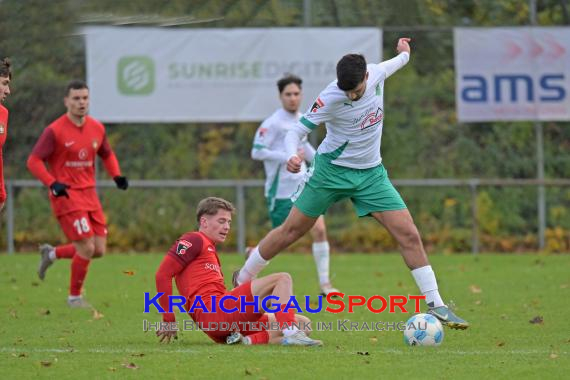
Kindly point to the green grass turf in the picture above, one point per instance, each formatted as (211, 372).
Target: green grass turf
(41, 336)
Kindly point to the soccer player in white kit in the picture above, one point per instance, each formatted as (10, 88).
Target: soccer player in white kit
(281, 184)
(348, 164)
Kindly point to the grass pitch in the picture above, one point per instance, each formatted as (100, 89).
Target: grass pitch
(499, 294)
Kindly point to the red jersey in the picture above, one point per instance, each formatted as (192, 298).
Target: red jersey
(193, 262)
(70, 152)
(3, 134)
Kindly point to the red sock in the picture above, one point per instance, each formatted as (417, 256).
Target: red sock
(79, 267)
(285, 319)
(66, 251)
(261, 337)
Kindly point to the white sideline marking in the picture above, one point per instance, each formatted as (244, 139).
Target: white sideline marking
(107, 350)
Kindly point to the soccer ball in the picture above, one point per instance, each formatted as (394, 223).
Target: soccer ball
(423, 330)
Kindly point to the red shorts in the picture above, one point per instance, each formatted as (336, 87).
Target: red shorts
(252, 318)
(79, 225)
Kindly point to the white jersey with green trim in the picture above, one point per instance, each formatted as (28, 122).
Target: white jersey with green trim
(358, 124)
(269, 147)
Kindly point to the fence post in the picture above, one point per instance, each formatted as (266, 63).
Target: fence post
(474, 218)
(241, 228)
(10, 217)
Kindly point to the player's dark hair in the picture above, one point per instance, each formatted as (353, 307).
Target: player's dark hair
(75, 84)
(211, 205)
(287, 80)
(350, 71)
(5, 68)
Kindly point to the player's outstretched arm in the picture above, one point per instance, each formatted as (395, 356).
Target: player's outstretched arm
(392, 65)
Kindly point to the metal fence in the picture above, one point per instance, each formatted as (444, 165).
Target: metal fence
(240, 185)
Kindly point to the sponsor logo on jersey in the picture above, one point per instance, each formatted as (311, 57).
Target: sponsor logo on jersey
(2, 129)
(372, 119)
(95, 143)
(211, 249)
(317, 104)
(211, 266)
(69, 143)
(182, 247)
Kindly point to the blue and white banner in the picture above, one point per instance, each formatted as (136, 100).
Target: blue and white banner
(211, 75)
(512, 74)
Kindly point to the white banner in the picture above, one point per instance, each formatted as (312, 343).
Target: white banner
(512, 73)
(211, 75)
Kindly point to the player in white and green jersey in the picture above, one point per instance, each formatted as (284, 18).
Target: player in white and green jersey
(348, 164)
(281, 184)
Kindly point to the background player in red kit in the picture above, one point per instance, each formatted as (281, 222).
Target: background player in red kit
(193, 262)
(69, 146)
(5, 77)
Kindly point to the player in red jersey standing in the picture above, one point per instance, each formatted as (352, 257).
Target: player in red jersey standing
(5, 78)
(69, 146)
(193, 262)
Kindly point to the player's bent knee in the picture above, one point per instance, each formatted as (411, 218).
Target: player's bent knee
(98, 253)
(284, 277)
(85, 248)
(410, 239)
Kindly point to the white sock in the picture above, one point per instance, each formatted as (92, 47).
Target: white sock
(425, 278)
(72, 298)
(254, 264)
(321, 255)
(290, 331)
(52, 255)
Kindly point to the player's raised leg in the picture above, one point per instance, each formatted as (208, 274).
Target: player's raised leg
(401, 226)
(295, 226)
(321, 254)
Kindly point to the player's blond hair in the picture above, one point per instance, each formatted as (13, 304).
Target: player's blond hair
(211, 205)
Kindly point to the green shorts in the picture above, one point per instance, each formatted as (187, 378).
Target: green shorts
(278, 210)
(370, 190)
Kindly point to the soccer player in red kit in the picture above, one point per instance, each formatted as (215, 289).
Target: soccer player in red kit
(69, 146)
(193, 262)
(5, 77)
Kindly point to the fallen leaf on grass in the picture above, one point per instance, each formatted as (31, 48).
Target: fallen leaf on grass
(537, 320)
(46, 363)
(45, 312)
(500, 344)
(373, 339)
(130, 365)
(13, 314)
(112, 369)
(475, 289)
(553, 356)
(365, 353)
(129, 272)
(138, 355)
(34, 283)
(478, 302)
(97, 315)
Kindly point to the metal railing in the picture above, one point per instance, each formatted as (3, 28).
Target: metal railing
(240, 185)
